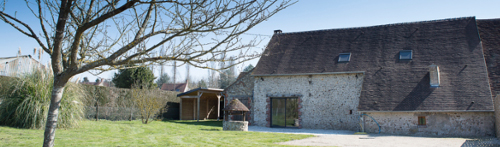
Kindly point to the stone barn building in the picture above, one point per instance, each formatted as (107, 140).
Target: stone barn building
(425, 78)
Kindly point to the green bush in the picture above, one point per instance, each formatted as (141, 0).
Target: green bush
(26, 100)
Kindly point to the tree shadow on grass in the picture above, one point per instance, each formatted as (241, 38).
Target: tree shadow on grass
(211, 129)
(204, 123)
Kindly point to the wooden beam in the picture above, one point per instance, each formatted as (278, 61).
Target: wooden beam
(180, 110)
(194, 109)
(218, 107)
(206, 102)
(198, 103)
(189, 96)
(210, 91)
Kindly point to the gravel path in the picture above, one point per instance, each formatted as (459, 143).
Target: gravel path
(348, 139)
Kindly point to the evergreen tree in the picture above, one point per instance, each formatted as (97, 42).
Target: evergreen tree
(202, 83)
(125, 78)
(226, 78)
(85, 80)
(163, 79)
(248, 68)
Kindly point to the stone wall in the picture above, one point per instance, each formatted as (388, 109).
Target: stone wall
(326, 101)
(496, 101)
(235, 125)
(460, 124)
(241, 89)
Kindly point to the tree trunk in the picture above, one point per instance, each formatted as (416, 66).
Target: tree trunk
(96, 111)
(131, 113)
(147, 117)
(50, 127)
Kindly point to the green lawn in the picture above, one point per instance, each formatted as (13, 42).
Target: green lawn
(133, 133)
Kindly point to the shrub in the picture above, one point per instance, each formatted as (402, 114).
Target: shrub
(149, 101)
(26, 101)
(118, 104)
(125, 78)
(95, 96)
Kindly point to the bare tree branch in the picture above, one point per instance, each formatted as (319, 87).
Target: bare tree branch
(31, 34)
(103, 35)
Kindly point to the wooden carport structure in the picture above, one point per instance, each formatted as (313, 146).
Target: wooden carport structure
(200, 103)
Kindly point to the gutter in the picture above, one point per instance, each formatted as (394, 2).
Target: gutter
(436, 111)
(302, 74)
(200, 88)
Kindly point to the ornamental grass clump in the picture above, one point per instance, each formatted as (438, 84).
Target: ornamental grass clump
(26, 100)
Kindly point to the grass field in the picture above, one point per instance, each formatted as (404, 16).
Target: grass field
(133, 133)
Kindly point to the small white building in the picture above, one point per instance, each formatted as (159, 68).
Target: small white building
(18, 65)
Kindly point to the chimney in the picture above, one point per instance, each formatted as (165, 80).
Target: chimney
(277, 31)
(434, 75)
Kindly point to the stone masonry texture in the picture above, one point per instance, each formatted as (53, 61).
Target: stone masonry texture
(235, 125)
(326, 100)
(455, 124)
(242, 89)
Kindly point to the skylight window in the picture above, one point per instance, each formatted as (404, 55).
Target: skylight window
(434, 75)
(344, 57)
(405, 55)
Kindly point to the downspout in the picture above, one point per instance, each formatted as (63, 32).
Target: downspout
(362, 122)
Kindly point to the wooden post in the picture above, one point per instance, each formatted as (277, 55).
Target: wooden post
(218, 107)
(198, 103)
(244, 115)
(194, 109)
(208, 115)
(180, 110)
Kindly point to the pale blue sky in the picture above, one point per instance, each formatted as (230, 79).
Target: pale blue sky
(303, 16)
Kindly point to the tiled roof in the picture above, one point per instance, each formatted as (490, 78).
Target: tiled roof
(240, 76)
(100, 83)
(173, 87)
(489, 30)
(391, 84)
(236, 105)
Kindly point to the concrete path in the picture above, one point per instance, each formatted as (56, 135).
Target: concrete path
(348, 139)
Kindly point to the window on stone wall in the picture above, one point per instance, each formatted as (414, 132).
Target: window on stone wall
(422, 121)
(284, 112)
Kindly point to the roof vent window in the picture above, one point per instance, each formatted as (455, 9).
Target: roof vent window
(405, 55)
(344, 57)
